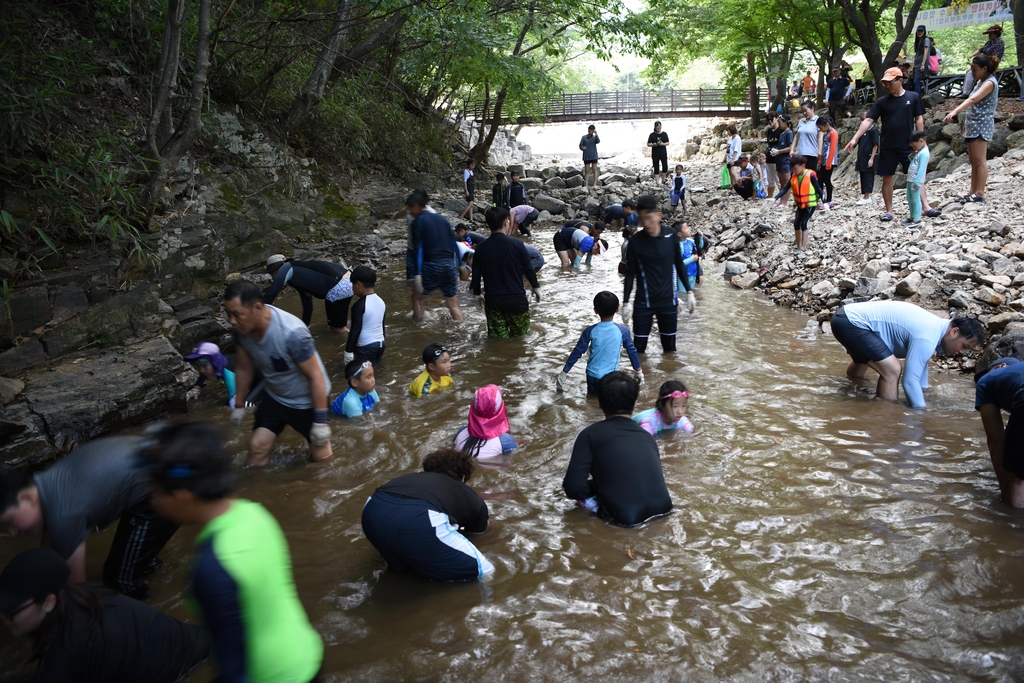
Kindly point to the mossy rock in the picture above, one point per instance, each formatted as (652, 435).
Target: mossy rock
(338, 210)
(255, 250)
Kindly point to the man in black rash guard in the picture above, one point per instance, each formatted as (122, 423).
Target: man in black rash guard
(652, 260)
(658, 142)
(615, 468)
(503, 262)
(319, 279)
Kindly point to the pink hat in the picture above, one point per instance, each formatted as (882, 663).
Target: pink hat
(487, 418)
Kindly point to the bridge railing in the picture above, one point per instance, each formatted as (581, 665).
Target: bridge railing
(569, 106)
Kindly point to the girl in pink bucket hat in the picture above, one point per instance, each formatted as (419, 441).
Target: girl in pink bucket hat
(487, 435)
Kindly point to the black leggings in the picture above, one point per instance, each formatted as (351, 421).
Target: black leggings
(141, 534)
(643, 320)
(825, 179)
(660, 154)
(803, 217)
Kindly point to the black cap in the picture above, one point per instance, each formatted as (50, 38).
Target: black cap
(32, 575)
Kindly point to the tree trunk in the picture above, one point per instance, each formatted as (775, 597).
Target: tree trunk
(312, 93)
(383, 34)
(755, 105)
(168, 154)
(160, 126)
(861, 18)
(480, 149)
(1018, 30)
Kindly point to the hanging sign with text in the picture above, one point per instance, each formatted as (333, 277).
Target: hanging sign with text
(991, 12)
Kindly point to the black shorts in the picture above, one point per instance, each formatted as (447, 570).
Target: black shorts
(559, 242)
(862, 345)
(337, 312)
(782, 165)
(1013, 444)
(440, 275)
(275, 416)
(889, 159)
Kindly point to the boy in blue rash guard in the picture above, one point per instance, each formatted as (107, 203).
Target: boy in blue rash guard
(1000, 386)
(605, 339)
(361, 395)
(625, 212)
(877, 334)
(690, 256)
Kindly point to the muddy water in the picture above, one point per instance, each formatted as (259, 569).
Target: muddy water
(818, 534)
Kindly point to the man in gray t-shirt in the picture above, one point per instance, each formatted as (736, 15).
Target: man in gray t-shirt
(84, 493)
(588, 145)
(296, 382)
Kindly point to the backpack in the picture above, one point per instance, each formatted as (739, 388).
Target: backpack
(935, 61)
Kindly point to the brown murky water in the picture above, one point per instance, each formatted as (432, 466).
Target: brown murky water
(818, 535)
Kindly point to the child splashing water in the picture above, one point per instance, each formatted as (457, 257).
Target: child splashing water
(669, 412)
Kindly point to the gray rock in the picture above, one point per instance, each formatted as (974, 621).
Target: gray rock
(735, 268)
(544, 216)
(934, 133)
(939, 152)
(989, 296)
(745, 281)
(556, 183)
(1003, 266)
(386, 206)
(609, 178)
(1016, 122)
(543, 202)
(846, 283)
(454, 205)
(963, 266)
(873, 286)
(425, 181)
(738, 243)
(514, 168)
(873, 268)
(9, 389)
(574, 181)
(997, 146)
(532, 183)
(69, 302)
(1015, 140)
(29, 309)
(534, 173)
(909, 285)
(998, 322)
(822, 288)
(960, 299)
(549, 172)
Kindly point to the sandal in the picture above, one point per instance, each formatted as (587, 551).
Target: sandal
(962, 200)
(974, 199)
(933, 213)
(886, 217)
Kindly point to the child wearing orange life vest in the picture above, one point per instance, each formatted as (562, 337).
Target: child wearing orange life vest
(806, 194)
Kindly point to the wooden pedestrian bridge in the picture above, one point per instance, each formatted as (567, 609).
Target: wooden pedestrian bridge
(634, 104)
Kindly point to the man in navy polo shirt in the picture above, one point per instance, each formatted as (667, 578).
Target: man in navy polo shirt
(1001, 387)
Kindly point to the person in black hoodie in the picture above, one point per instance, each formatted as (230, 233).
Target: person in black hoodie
(515, 192)
(652, 261)
(319, 279)
(498, 197)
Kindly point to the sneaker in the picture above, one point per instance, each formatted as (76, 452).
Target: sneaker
(910, 223)
(862, 202)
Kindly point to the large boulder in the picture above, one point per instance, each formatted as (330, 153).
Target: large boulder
(745, 281)
(86, 398)
(574, 181)
(549, 172)
(939, 152)
(997, 147)
(386, 206)
(1016, 122)
(543, 202)
(609, 178)
(555, 183)
(1015, 139)
(532, 183)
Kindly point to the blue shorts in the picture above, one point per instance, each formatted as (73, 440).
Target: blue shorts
(862, 345)
(783, 165)
(410, 265)
(410, 534)
(440, 275)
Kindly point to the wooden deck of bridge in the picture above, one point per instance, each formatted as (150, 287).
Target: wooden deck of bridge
(605, 106)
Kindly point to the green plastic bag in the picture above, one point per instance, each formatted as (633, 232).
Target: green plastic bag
(726, 178)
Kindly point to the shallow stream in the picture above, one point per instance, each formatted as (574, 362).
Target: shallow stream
(818, 534)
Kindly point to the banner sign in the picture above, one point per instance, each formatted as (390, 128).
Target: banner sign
(990, 12)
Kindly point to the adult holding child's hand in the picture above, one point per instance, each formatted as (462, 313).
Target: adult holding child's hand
(979, 124)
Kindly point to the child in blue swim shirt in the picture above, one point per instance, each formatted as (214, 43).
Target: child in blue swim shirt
(360, 396)
(669, 412)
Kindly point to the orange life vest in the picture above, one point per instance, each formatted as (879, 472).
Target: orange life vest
(803, 191)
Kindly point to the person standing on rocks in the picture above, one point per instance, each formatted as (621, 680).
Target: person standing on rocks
(658, 142)
(923, 50)
(837, 88)
(294, 378)
(501, 263)
(979, 126)
(313, 279)
(993, 48)
(772, 133)
(734, 152)
(877, 334)
(588, 145)
(807, 141)
(901, 112)
(783, 158)
(999, 387)
(653, 260)
(867, 149)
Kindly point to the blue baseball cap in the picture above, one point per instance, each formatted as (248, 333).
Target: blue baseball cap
(587, 244)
